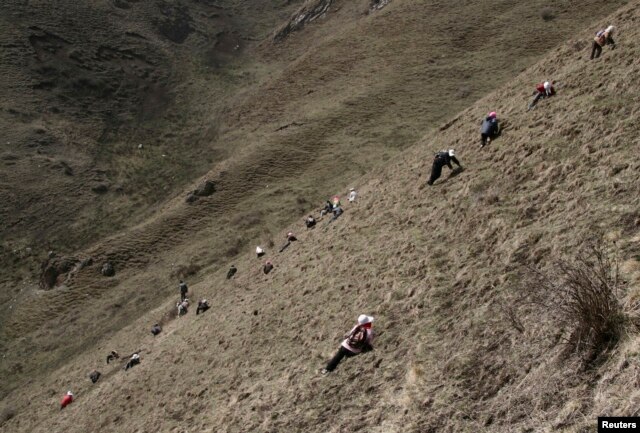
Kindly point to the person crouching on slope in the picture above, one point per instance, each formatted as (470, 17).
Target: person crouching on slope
(440, 160)
(543, 90)
(489, 129)
(603, 37)
(66, 400)
(358, 340)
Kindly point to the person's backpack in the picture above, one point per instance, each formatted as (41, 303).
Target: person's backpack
(358, 338)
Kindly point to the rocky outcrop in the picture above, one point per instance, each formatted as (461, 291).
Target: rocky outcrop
(204, 190)
(308, 13)
(56, 271)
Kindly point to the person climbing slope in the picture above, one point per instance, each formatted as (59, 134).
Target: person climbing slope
(156, 329)
(358, 340)
(352, 195)
(441, 159)
(133, 361)
(231, 272)
(489, 129)
(183, 290)
(66, 400)
(203, 305)
(603, 37)
(326, 209)
(543, 90)
(310, 221)
(183, 307)
(290, 238)
(112, 356)
(268, 267)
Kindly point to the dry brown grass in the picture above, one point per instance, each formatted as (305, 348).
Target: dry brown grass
(582, 295)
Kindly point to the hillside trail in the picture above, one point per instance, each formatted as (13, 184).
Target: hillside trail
(434, 266)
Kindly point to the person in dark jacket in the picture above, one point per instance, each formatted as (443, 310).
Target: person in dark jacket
(183, 290)
(310, 222)
(441, 159)
(543, 90)
(94, 376)
(328, 207)
(133, 361)
(203, 305)
(290, 238)
(232, 271)
(112, 356)
(268, 267)
(603, 37)
(489, 129)
(358, 340)
(156, 329)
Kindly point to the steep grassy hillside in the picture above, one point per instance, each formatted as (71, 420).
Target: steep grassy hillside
(279, 124)
(438, 267)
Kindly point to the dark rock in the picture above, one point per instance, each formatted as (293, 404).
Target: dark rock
(100, 188)
(206, 189)
(108, 270)
(55, 271)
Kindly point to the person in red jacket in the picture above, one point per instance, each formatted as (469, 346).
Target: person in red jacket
(543, 90)
(66, 400)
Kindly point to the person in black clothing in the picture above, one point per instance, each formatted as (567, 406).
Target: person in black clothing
(268, 267)
(203, 306)
(489, 129)
(290, 238)
(112, 356)
(183, 290)
(328, 207)
(310, 222)
(94, 376)
(441, 159)
(156, 329)
(232, 271)
(134, 360)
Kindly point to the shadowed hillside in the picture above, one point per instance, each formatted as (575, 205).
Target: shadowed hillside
(439, 267)
(275, 125)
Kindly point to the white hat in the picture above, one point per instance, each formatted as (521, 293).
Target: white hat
(609, 29)
(70, 393)
(290, 234)
(452, 152)
(363, 319)
(352, 189)
(547, 85)
(259, 250)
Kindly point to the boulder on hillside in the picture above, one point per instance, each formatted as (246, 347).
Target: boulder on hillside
(55, 271)
(108, 270)
(206, 189)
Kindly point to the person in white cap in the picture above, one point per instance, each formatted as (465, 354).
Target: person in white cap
(543, 90)
(358, 340)
(66, 400)
(440, 160)
(603, 37)
(203, 305)
(259, 252)
(352, 195)
(134, 360)
(290, 238)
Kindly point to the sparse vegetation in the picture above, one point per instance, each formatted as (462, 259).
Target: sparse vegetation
(582, 296)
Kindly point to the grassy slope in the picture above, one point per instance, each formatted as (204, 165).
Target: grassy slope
(363, 87)
(433, 265)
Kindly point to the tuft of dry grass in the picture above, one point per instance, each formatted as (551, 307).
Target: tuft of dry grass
(547, 14)
(582, 295)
